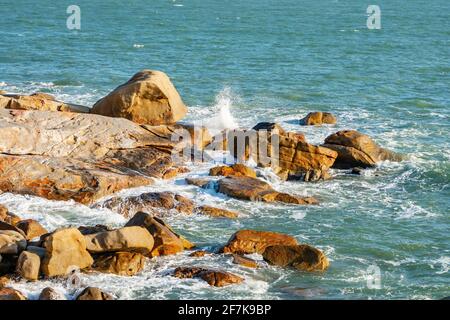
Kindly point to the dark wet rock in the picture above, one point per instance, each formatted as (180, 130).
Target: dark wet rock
(244, 261)
(51, 294)
(120, 263)
(91, 293)
(303, 257)
(212, 277)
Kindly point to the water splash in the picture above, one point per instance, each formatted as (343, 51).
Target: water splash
(223, 104)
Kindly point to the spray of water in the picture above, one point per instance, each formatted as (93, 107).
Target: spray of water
(223, 104)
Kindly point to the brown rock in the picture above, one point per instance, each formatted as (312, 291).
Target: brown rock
(244, 261)
(8, 217)
(37, 101)
(149, 97)
(302, 257)
(11, 242)
(28, 265)
(199, 253)
(3, 280)
(212, 277)
(85, 230)
(91, 293)
(355, 149)
(217, 212)
(51, 294)
(11, 294)
(121, 263)
(238, 170)
(317, 118)
(31, 228)
(199, 182)
(252, 241)
(130, 239)
(65, 249)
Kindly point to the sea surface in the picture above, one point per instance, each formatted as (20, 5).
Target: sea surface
(236, 63)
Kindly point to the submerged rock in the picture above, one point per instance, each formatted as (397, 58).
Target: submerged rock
(212, 277)
(51, 294)
(253, 241)
(357, 150)
(92, 293)
(199, 253)
(149, 97)
(121, 263)
(217, 212)
(244, 261)
(318, 118)
(303, 257)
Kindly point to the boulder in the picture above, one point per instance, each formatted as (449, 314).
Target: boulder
(237, 170)
(149, 97)
(37, 101)
(85, 230)
(303, 257)
(91, 293)
(199, 253)
(355, 149)
(129, 238)
(3, 279)
(254, 189)
(51, 294)
(154, 202)
(8, 217)
(318, 118)
(11, 294)
(166, 240)
(217, 212)
(121, 263)
(212, 277)
(28, 265)
(253, 241)
(31, 228)
(200, 182)
(65, 249)
(11, 242)
(6, 226)
(244, 261)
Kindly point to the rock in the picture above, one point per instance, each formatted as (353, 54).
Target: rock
(39, 251)
(51, 294)
(28, 265)
(37, 101)
(85, 230)
(11, 242)
(166, 241)
(121, 263)
(357, 171)
(11, 294)
(149, 97)
(65, 249)
(303, 257)
(238, 170)
(31, 228)
(91, 293)
(199, 182)
(244, 261)
(199, 253)
(3, 280)
(217, 212)
(252, 241)
(355, 149)
(129, 238)
(154, 202)
(8, 217)
(6, 226)
(8, 264)
(212, 277)
(254, 189)
(317, 118)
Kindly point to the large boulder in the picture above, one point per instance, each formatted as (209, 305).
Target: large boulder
(51, 294)
(166, 240)
(318, 118)
(212, 277)
(254, 189)
(130, 238)
(65, 250)
(12, 242)
(31, 228)
(92, 293)
(149, 97)
(28, 265)
(121, 263)
(11, 294)
(253, 241)
(355, 149)
(303, 257)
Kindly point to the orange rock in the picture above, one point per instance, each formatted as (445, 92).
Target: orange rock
(252, 241)
(238, 170)
(244, 261)
(31, 228)
(212, 277)
(317, 118)
(303, 257)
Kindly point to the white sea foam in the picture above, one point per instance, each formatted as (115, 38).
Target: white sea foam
(222, 108)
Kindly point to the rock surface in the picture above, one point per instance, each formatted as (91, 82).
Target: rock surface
(149, 97)
(31, 228)
(244, 261)
(253, 241)
(28, 265)
(11, 294)
(212, 277)
(11, 242)
(121, 263)
(318, 118)
(303, 257)
(37, 101)
(91, 293)
(237, 170)
(217, 212)
(51, 294)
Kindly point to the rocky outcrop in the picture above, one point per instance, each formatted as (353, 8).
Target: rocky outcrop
(216, 212)
(149, 97)
(130, 239)
(355, 149)
(28, 265)
(91, 293)
(120, 263)
(303, 257)
(318, 118)
(237, 170)
(212, 277)
(253, 241)
(11, 242)
(51, 294)
(254, 189)
(31, 228)
(65, 249)
(166, 240)
(244, 261)
(11, 294)
(8, 217)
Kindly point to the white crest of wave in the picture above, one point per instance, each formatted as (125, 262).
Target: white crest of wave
(222, 106)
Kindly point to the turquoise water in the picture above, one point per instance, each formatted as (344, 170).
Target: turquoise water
(269, 61)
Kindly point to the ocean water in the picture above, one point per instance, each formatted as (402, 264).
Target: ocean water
(236, 63)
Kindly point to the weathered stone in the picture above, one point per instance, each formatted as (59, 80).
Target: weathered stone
(303, 257)
(8, 264)
(252, 241)
(28, 265)
(212, 277)
(51, 294)
(85, 230)
(244, 261)
(121, 263)
(216, 212)
(130, 239)
(37, 101)
(6, 226)
(199, 253)
(318, 118)
(149, 97)
(355, 149)
(11, 294)
(91, 293)
(11, 242)
(31, 228)
(65, 249)
(238, 170)
(199, 182)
